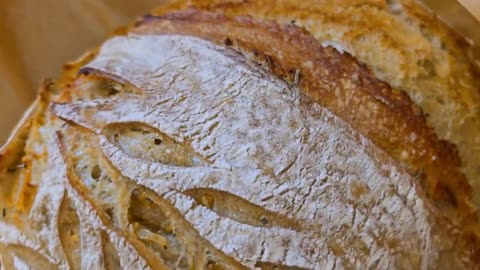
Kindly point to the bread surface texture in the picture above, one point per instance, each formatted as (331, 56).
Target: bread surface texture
(252, 135)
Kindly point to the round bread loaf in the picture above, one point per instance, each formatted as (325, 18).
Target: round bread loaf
(252, 134)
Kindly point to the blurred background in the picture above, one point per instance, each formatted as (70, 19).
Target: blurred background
(38, 36)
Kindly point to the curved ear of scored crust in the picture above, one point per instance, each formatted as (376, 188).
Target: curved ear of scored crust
(198, 141)
(402, 44)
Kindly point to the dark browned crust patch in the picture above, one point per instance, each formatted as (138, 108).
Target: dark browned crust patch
(338, 82)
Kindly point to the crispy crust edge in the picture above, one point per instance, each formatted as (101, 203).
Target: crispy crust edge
(433, 153)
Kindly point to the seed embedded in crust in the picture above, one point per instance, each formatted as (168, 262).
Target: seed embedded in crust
(228, 42)
(264, 220)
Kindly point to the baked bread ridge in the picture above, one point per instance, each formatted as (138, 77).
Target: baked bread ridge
(426, 59)
(450, 251)
(78, 115)
(386, 116)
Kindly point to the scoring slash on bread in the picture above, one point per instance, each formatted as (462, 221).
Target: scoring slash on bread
(246, 134)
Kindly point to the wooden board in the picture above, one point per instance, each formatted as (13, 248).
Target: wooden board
(473, 6)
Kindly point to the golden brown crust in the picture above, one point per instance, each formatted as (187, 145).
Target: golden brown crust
(402, 43)
(336, 81)
(75, 181)
(387, 116)
(77, 112)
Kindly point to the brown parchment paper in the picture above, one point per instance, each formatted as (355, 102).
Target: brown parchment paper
(38, 36)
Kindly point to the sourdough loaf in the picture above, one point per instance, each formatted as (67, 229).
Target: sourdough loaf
(233, 135)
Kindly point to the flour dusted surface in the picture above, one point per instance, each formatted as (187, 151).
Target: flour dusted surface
(264, 142)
